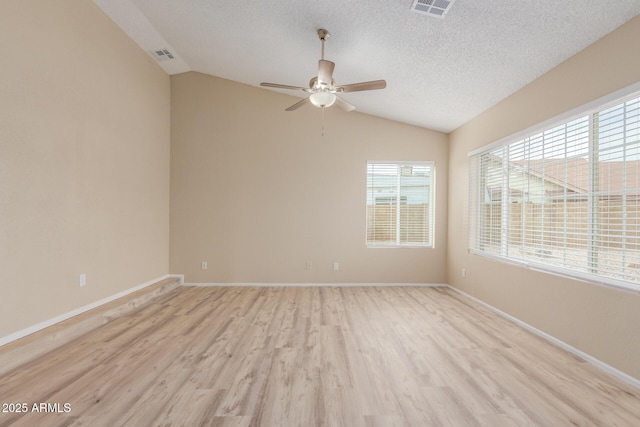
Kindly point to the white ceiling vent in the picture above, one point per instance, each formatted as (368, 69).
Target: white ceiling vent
(437, 8)
(161, 55)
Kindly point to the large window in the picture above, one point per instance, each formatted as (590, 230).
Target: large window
(565, 198)
(400, 204)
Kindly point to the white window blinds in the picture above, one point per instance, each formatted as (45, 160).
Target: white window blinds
(400, 204)
(565, 198)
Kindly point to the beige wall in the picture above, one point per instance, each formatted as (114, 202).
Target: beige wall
(600, 321)
(257, 191)
(84, 160)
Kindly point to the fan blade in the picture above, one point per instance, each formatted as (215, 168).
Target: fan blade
(298, 104)
(355, 87)
(344, 104)
(279, 86)
(325, 72)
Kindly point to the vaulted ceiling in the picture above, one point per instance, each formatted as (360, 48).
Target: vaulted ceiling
(440, 72)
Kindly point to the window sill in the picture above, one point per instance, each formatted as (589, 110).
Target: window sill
(564, 273)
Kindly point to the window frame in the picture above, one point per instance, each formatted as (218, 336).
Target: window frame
(403, 201)
(474, 214)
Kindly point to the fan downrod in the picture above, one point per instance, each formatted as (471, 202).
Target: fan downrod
(323, 35)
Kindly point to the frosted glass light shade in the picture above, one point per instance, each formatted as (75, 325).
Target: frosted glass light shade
(322, 99)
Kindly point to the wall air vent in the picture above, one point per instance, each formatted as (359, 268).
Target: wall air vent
(436, 8)
(161, 55)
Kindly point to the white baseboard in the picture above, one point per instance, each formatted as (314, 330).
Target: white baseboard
(177, 276)
(596, 362)
(42, 325)
(258, 284)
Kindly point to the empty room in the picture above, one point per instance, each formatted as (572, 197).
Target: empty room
(319, 213)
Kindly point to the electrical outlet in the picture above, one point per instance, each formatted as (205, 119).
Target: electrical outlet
(308, 265)
(336, 266)
(463, 273)
(204, 265)
(83, 279)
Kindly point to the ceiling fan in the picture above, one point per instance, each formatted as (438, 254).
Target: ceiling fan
(323, 89)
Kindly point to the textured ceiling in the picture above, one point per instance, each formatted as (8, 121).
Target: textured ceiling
(440, 73)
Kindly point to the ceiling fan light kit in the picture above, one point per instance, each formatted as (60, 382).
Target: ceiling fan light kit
(322, 88)
(322, 99)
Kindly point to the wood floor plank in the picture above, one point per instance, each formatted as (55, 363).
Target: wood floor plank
(315, 356)
(341, 408)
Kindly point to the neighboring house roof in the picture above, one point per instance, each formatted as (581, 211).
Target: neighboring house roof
(565, 175)
(613, 177)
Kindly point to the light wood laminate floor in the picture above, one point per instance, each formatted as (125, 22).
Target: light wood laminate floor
(315, 356)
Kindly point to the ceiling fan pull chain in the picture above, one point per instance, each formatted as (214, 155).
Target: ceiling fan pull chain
(323, 120)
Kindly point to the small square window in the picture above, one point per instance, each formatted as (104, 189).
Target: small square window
(400, 204)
